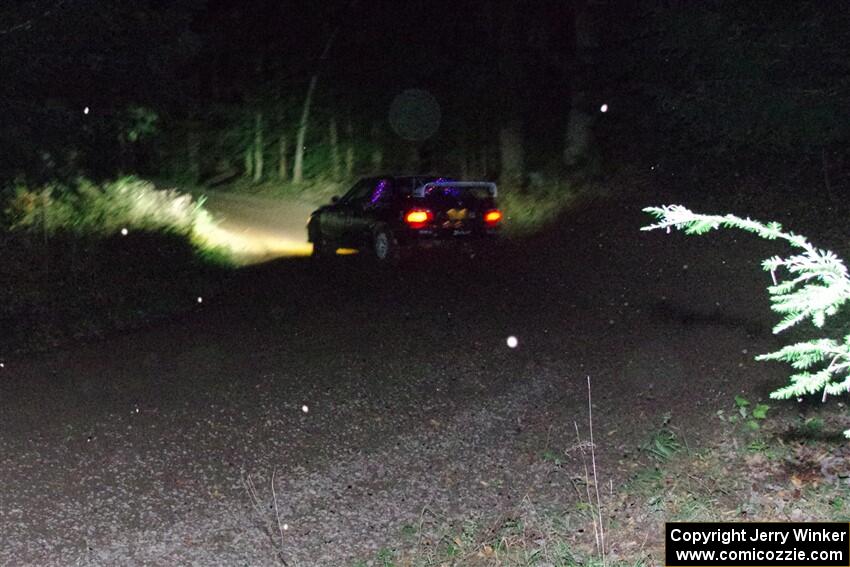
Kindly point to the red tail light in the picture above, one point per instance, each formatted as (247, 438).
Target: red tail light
(418, 218)
(493, 217)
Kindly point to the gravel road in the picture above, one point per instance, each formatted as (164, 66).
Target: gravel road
(373, 398)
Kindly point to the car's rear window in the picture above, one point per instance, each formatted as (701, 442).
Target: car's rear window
(451, 192)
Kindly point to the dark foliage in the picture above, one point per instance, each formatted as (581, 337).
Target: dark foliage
(59, 57)
(64, 287)
(187, 89)
(743, 88)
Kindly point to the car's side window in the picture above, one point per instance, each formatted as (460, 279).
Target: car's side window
(370, 192)
(381, 193)
(403, 187)
(359, 192)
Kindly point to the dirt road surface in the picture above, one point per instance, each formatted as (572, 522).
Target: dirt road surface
(258, 229)
(372, 396)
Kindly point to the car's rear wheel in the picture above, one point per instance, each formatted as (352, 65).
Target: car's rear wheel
(384, 246)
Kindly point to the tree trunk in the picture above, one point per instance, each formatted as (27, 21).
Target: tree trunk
(464, 162)
(122, 156)
(336, 163)
(193, 154)
(301, 136)
(512, 155)
(378, 154)
(249, 160)
(414, 158)
(258, 147)
(512, 76)
(577, 140)
(378, 159)
(349, 151)
(282, 164)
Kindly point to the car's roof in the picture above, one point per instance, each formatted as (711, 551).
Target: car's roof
(422, 178)
(413, 180)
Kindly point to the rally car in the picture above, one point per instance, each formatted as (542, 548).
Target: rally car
(387, 215)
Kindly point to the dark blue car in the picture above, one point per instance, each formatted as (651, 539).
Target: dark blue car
(384, 216)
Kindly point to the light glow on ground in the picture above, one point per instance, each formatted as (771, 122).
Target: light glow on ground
(252, 229)
(253, 246)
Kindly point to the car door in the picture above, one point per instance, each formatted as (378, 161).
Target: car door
(332, 222)
(336, 218)
(337, 222)
(369, 210)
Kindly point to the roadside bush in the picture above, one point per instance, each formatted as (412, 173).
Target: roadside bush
(89, 209)
(817, 288)
(69, 270)
(528, 210)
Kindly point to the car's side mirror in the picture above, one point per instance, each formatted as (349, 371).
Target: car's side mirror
(334, 200)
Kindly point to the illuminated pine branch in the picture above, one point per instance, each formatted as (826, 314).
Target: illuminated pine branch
(817, 286)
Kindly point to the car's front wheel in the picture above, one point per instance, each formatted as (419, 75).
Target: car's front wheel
(322, 248)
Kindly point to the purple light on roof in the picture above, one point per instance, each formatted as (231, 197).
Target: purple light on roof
(438, 180)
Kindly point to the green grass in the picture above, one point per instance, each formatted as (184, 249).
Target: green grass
(664, 442)
(526, 540)
(662, 445)
(769, 474)
(528, 211)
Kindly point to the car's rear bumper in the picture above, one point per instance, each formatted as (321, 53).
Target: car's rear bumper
(445, 237)
(471, 241)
